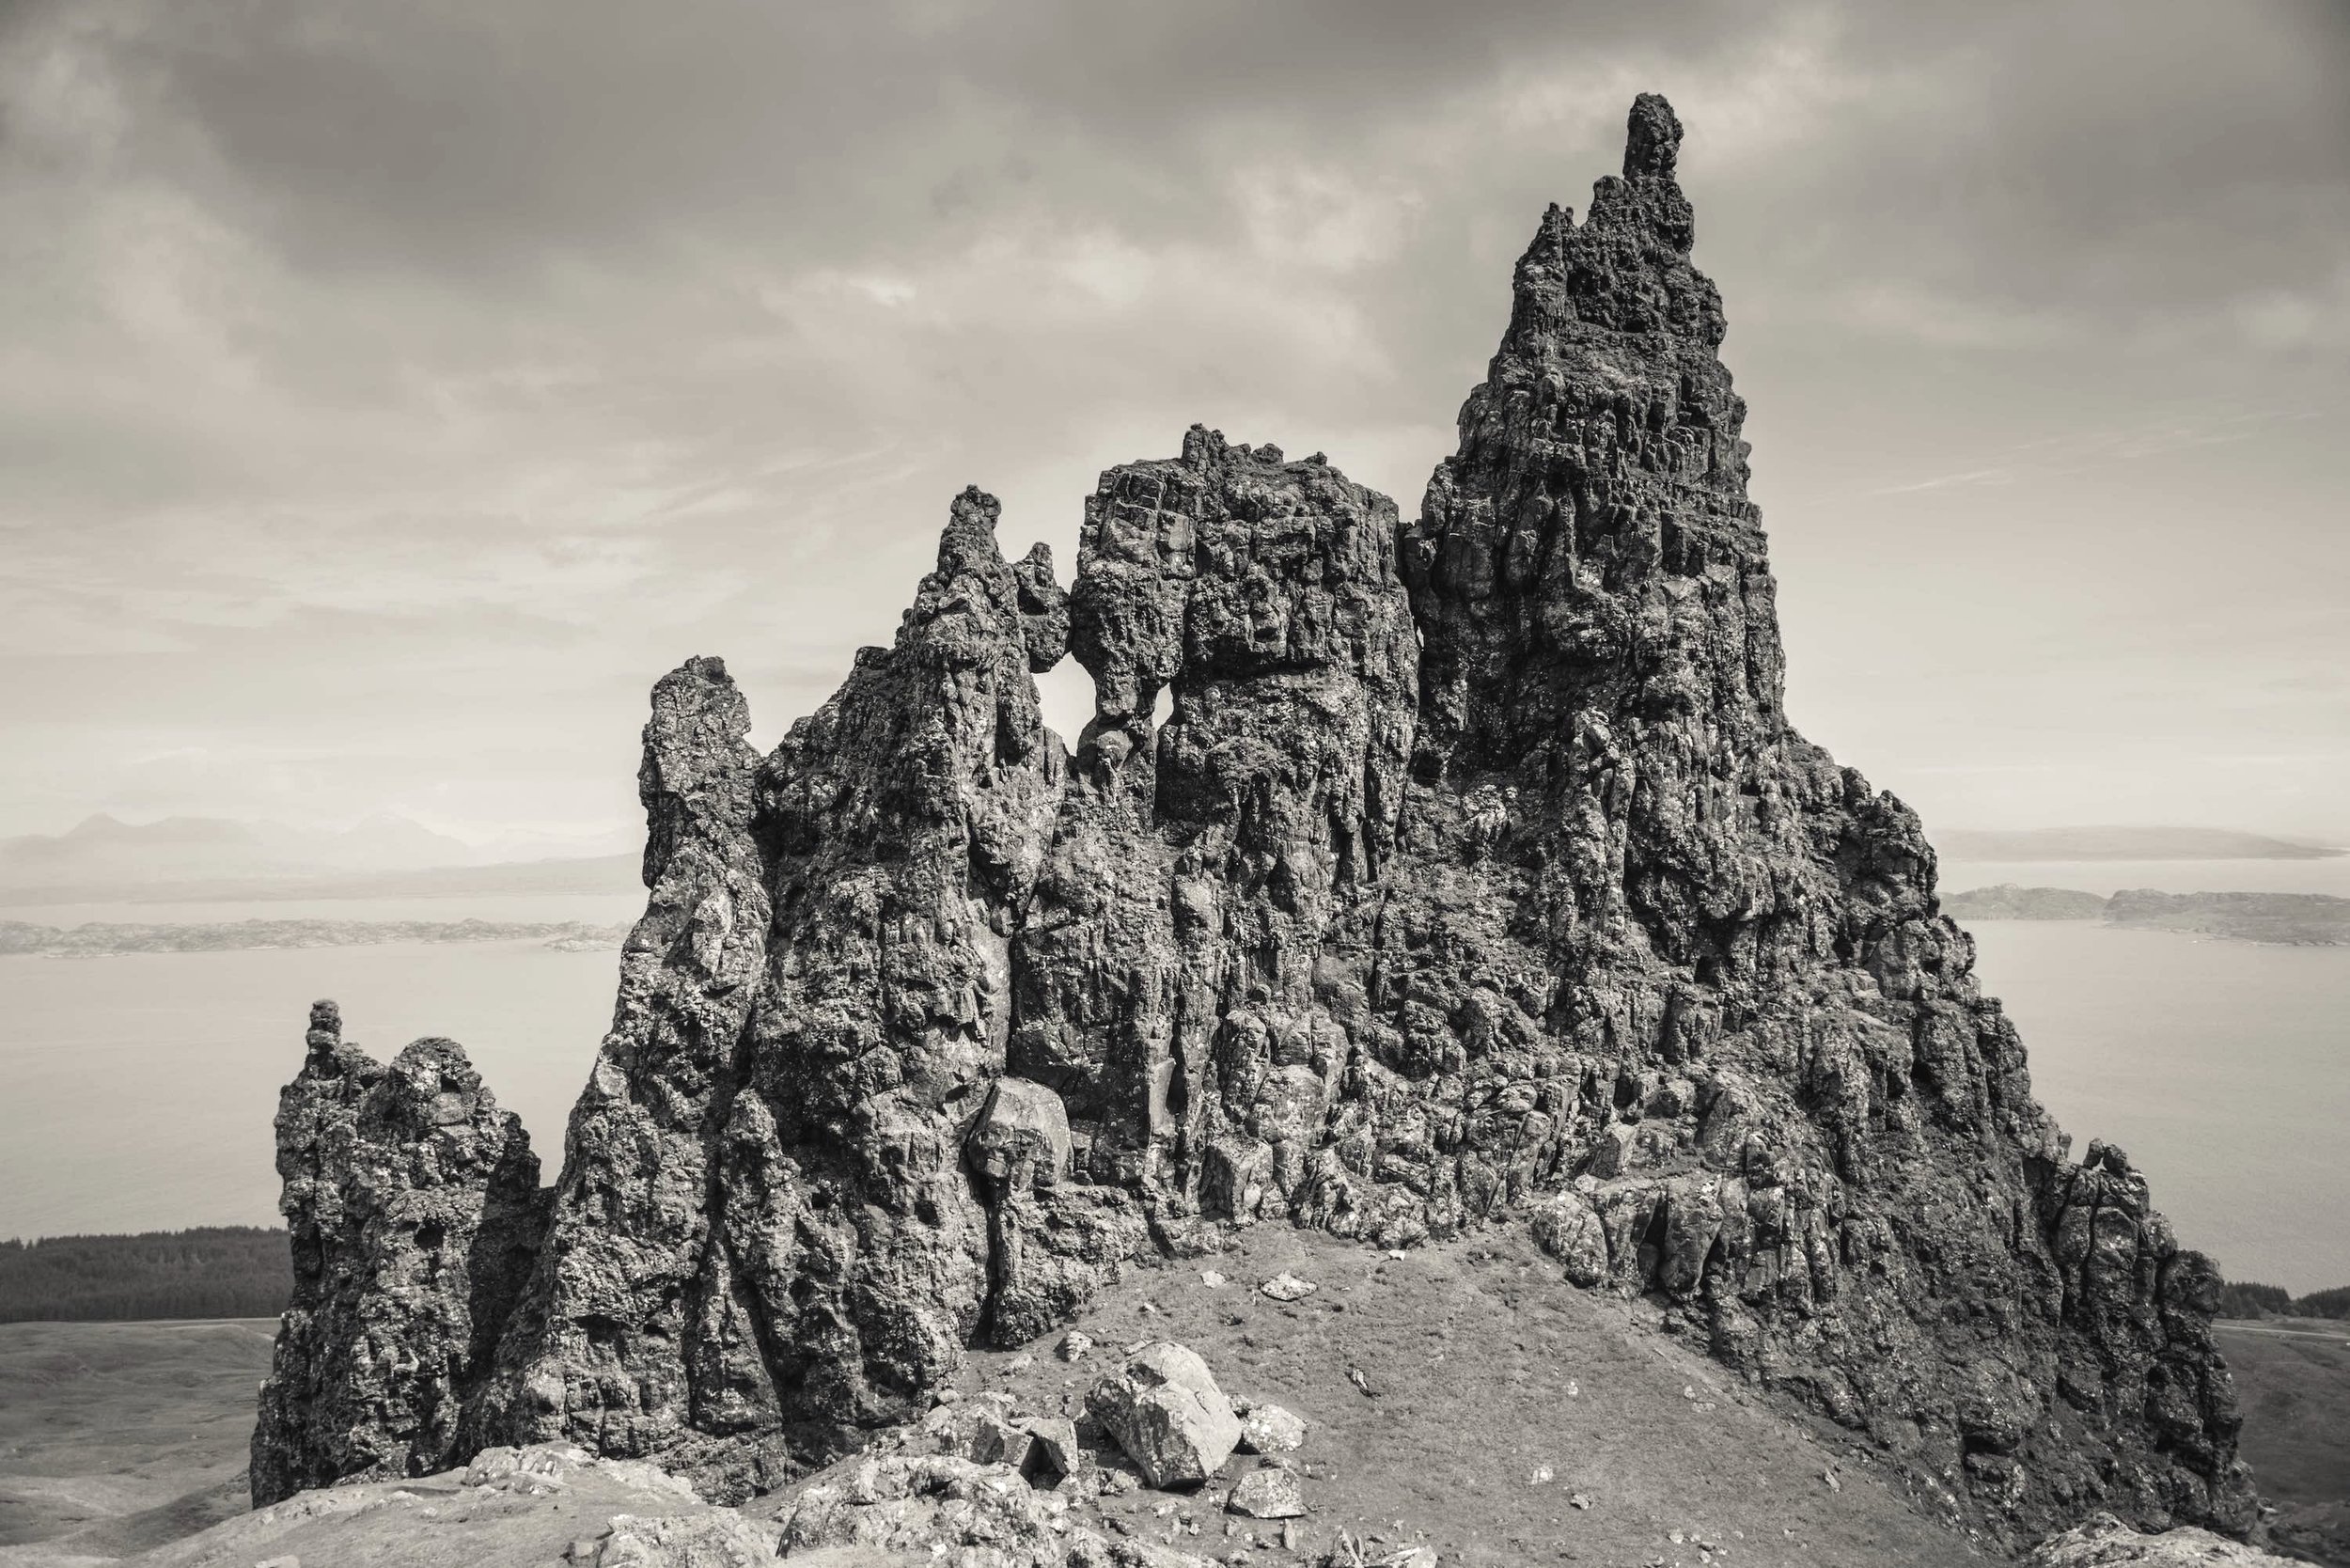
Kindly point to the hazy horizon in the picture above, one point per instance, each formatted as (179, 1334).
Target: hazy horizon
(394, 394)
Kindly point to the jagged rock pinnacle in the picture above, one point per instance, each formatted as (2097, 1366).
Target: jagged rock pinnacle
(1652, 140)
(1410, 876)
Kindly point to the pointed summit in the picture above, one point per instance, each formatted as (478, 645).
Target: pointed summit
(1651, 143)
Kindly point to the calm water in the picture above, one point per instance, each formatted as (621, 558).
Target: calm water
(2223, 1068)
(595, 909)
(137, 1093)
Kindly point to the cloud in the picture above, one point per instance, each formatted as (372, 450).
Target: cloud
(1947, 482)
(439, 361)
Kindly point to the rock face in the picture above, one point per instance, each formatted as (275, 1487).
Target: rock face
(1408, 876)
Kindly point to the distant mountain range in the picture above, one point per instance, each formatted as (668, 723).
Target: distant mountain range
(192, 858)
(107, 939)
(2124, 843)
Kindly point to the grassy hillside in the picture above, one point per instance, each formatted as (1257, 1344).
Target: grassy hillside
(238, 1271)
(115, 1437)
(2292, 1377)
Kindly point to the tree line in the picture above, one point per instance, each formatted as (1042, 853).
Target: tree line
(2275, 1301)
(234, 1271)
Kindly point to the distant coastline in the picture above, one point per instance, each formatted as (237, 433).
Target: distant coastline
(100, 939)
(2125, 843)
(2290, 920)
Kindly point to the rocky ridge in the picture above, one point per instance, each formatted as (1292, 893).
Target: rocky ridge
(1409, 877)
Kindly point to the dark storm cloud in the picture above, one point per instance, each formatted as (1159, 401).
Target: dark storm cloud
(2106, 155)
(454, 135)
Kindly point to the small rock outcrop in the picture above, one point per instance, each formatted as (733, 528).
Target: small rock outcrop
(413, 1203)
(957, 1509)
(1410, 875)
(2105, 1542)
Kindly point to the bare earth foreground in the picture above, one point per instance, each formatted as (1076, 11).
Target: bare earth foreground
(1464, 1345)
(117, 1439)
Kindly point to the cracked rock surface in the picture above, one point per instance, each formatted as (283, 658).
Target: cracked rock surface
(1410, 876)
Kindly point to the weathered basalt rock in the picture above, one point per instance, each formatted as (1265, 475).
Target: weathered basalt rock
(1164, 1410)
(1408, 875)
(413, 1203)
(2105, 1542)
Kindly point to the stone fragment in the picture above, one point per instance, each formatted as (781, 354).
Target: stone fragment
(1268, 1429)
(1285, 1285)
(1164, 1410)
(1055, 1443)
(1268, 1492)
(1022, 1135)
(1569, 1228)
(1074, 1345)
(995, 1440)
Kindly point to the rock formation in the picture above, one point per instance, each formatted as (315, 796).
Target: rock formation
(414, 1207)
(1408, 876)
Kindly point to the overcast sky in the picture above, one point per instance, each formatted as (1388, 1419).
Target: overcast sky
(390, 393)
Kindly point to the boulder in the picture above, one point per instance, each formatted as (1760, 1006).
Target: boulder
(1164, 1410)
(1268, 1492)
(1287, 1287)
(1268, 1429)
(1022, 1135)
(1569, 1228)
(1055, 1441)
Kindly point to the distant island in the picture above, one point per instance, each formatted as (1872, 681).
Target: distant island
(100, 939)
(2125, 843)
(2295, 919)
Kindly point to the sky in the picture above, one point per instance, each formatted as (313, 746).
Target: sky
(390, 394)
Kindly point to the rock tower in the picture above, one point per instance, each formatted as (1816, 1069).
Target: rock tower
(1409, 877)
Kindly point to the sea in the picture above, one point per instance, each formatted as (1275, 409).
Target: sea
(136, 1091)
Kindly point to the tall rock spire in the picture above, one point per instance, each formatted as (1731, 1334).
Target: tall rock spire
(634, 1335)
(1760, 1064)
(1407, 878)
